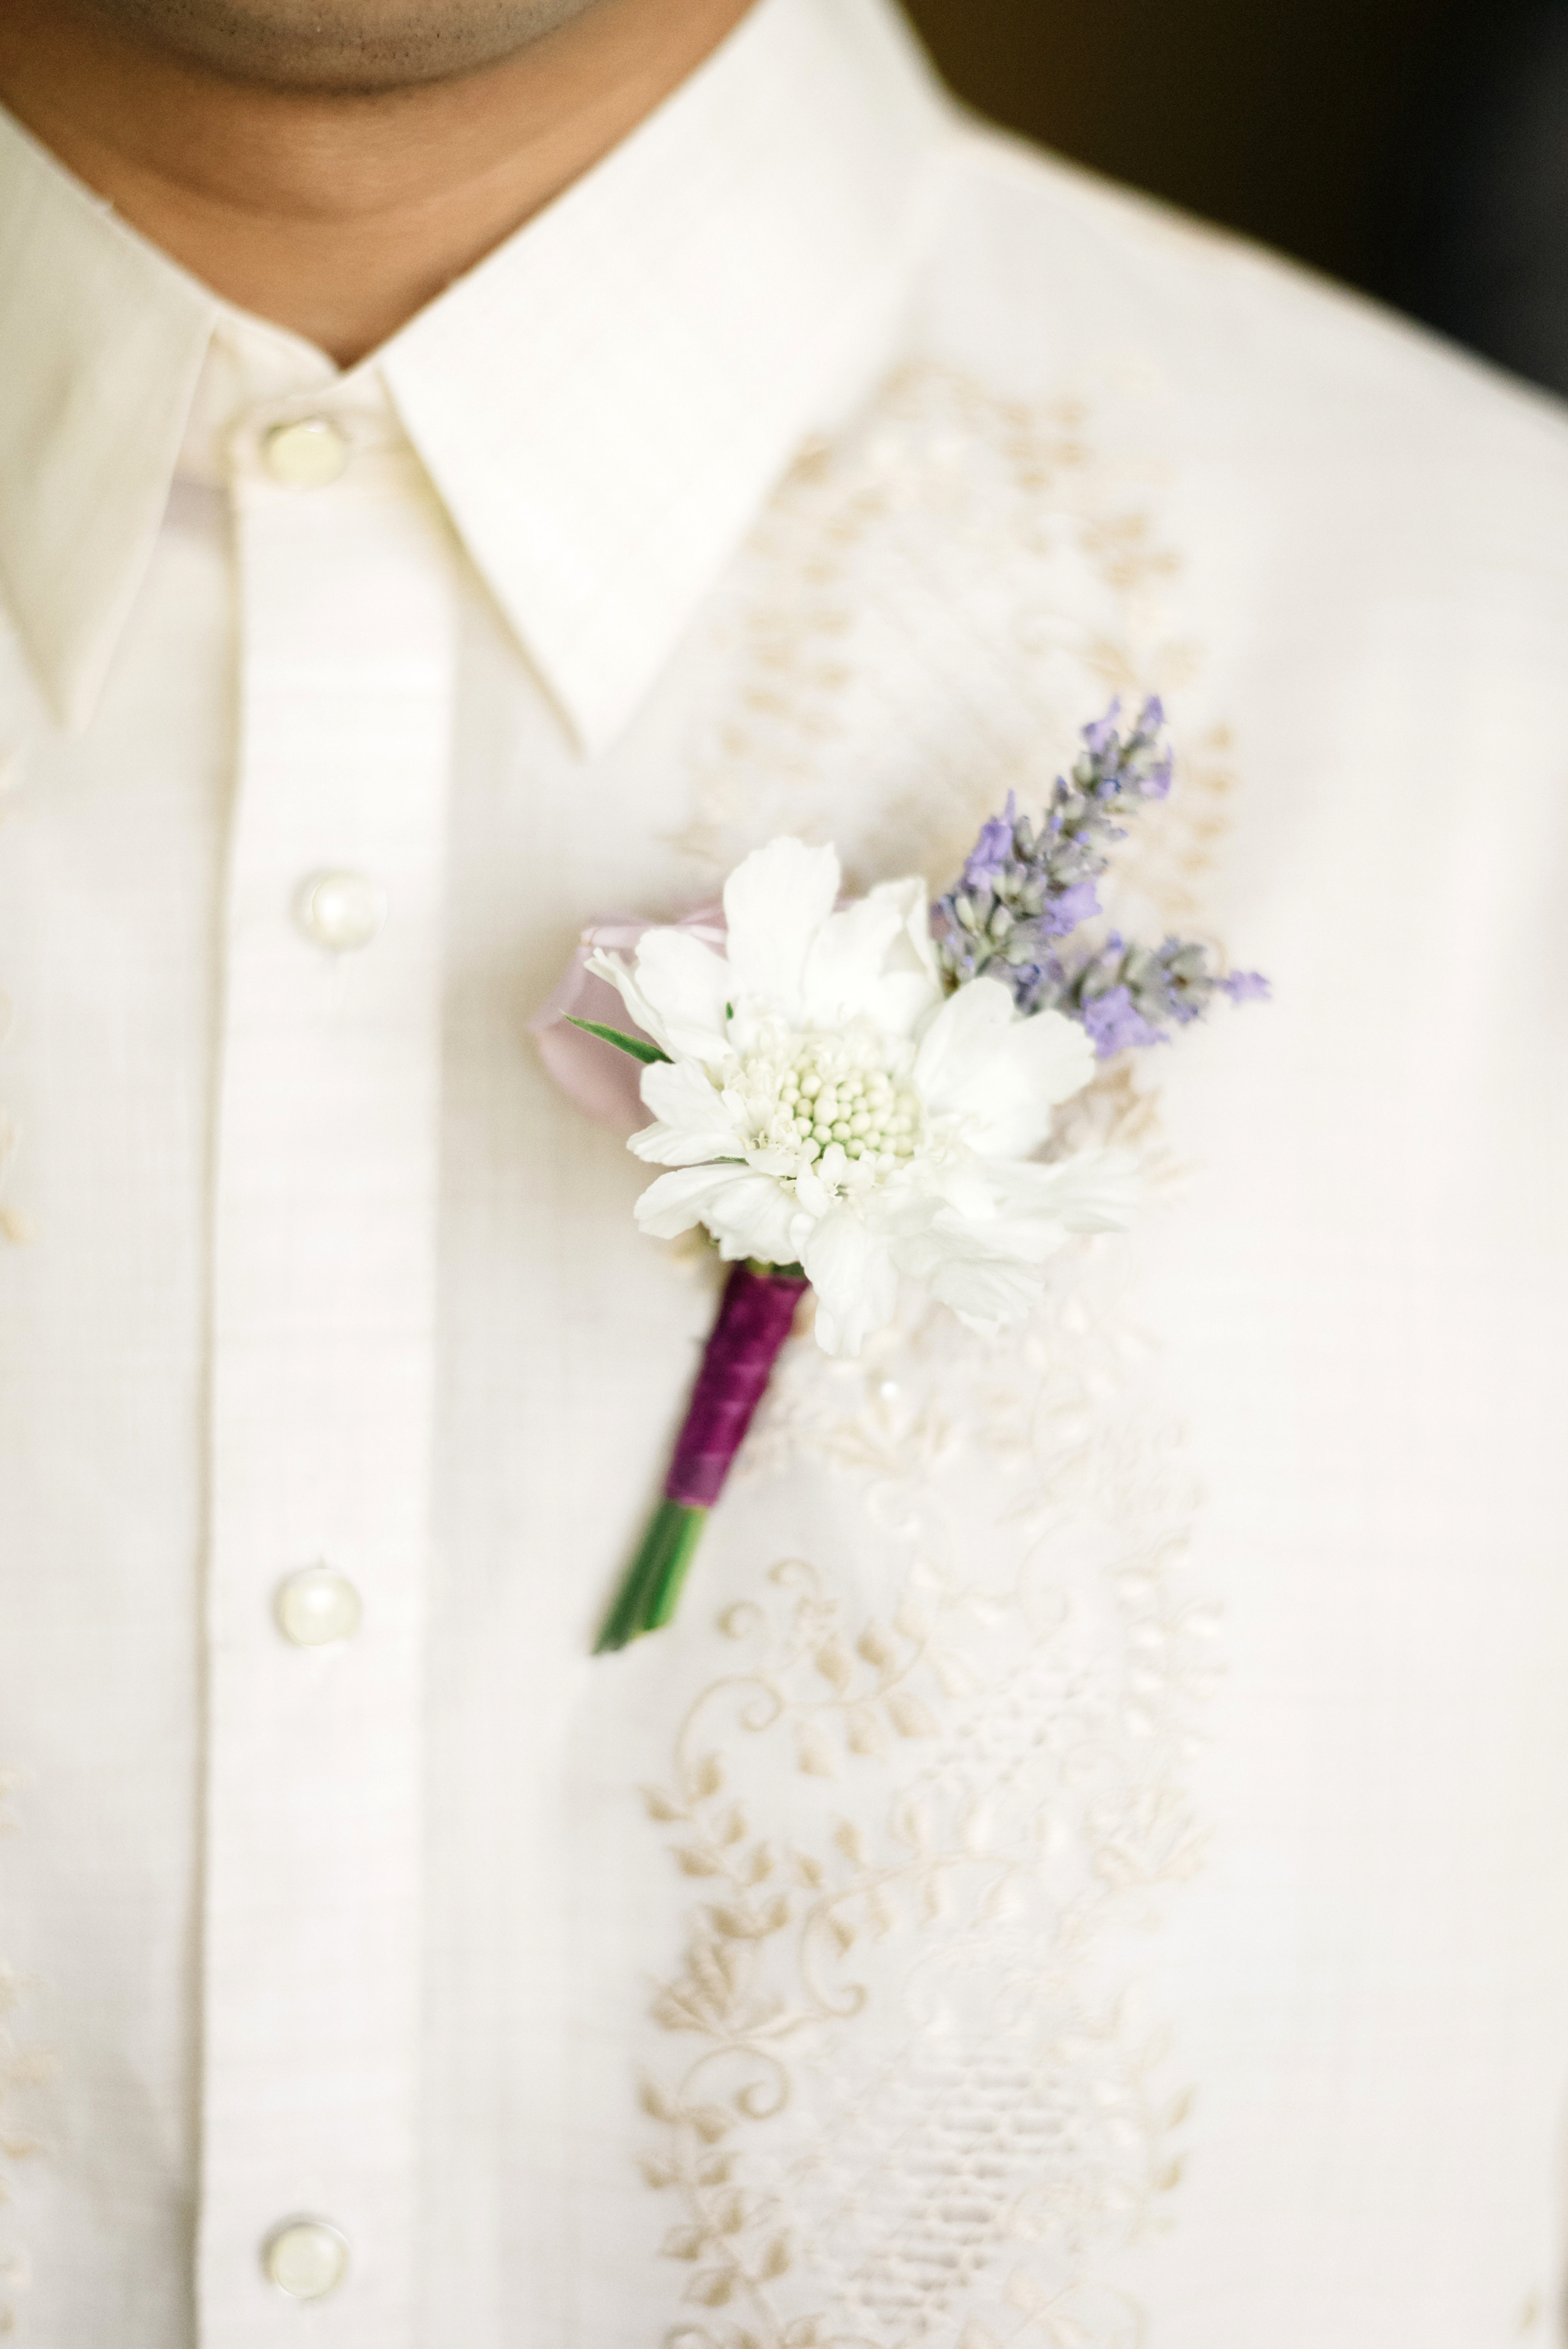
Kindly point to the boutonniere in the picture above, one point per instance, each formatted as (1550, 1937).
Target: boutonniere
(847, 1095)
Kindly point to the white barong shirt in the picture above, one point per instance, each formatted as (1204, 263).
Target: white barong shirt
(1090, 1866)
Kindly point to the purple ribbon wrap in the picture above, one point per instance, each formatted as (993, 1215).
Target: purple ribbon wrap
(754, 1319)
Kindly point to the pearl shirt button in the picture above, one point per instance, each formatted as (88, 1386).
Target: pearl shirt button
(341, 911)
(307, 455)
(306, 2258)
(316, 1606)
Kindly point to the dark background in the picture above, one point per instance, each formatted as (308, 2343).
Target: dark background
(1417, 149)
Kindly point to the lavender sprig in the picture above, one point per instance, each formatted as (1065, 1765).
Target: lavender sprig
(1025, 892)
(1129, 996)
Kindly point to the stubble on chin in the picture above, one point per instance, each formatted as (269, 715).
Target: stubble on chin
(345, 45)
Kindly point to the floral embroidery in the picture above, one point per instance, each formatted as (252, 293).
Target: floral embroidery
(922, 619)
(913, 2100)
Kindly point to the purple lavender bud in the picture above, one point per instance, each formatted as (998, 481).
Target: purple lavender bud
(1102, 731)
(1078, 903)
(1246, 987)
(1116, 1025)
(989, 856)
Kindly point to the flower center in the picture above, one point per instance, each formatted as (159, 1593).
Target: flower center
(816, 1092)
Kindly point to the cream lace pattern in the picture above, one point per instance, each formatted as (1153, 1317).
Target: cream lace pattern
(927, 614)
(911, 2094)
(907, 2091)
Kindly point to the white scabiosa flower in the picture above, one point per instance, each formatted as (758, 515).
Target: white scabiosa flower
(826, 1102)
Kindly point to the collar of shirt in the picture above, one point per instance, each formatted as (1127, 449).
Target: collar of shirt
(602, 403)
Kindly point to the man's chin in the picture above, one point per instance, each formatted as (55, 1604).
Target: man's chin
(341, 45)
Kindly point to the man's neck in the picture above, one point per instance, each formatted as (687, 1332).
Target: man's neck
(336, 214)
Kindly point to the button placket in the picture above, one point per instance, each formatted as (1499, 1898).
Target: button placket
(322, 1386)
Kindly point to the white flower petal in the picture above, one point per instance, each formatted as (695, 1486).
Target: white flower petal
(848, 1262)
(874, 960)
(967, 1025)
(812, 1193)
(747, 1214)
(1000, 1073)
(984, 1292)
(1056, 1054)
(610, 968)
(912, 898)
(970, 1266)
(901, 1003)
(845, 961)
(963, 1183)
(688, 987)
(775, 903)
(694, 1122)
(977, 1245)
(753, 1216)
(678, 1201)
(1097, 1191)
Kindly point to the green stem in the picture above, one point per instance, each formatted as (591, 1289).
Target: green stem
(652, 1584)
(664, 1597)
